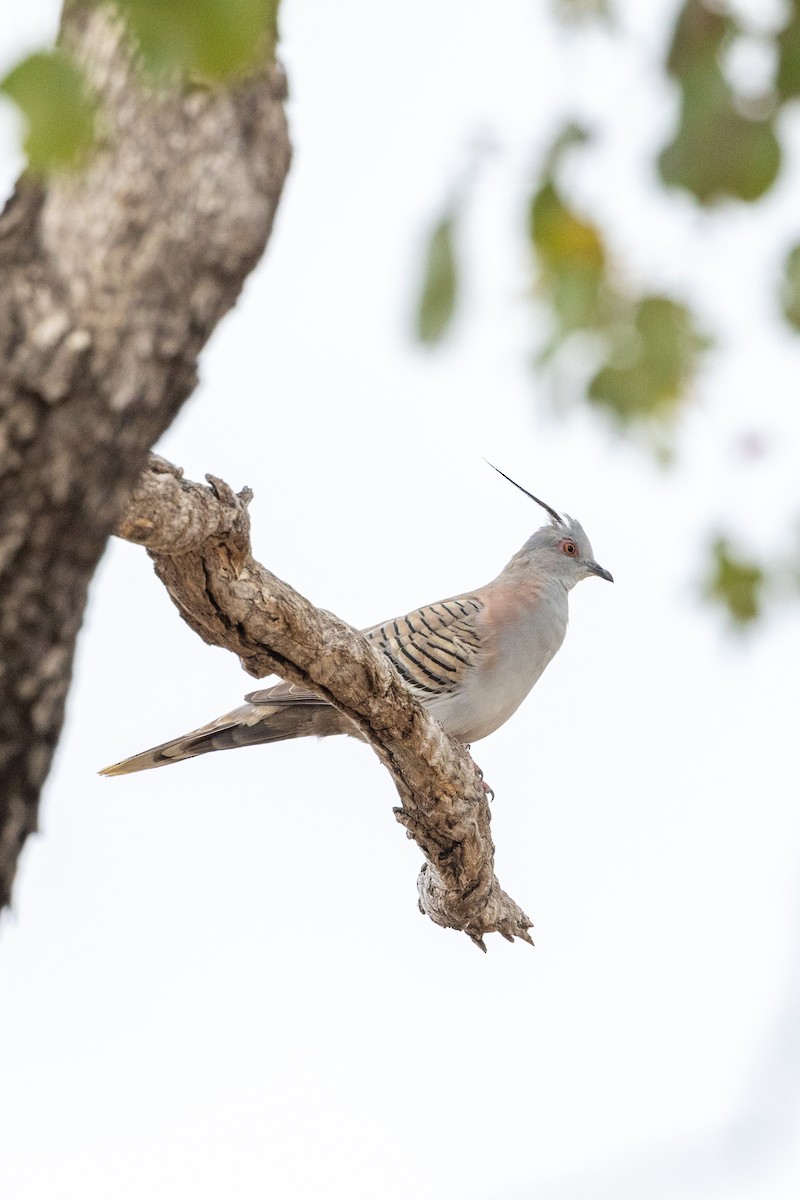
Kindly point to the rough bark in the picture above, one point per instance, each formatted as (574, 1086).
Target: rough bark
(111, 281)
(199, 540)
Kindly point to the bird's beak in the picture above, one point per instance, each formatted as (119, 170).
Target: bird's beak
(596, 569)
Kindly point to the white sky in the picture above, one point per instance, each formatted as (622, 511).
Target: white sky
(215, 981)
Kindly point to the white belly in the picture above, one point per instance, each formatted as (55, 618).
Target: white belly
(498, 681)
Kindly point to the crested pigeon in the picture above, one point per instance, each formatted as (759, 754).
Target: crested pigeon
(470, 659)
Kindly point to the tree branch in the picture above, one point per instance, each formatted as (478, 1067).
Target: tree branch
(111, 282)
(199, 540)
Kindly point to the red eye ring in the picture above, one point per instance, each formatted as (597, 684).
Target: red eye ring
(569, 548)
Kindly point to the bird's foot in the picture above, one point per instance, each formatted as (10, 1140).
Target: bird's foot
(489, 790)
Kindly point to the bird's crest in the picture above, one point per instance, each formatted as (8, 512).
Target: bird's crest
(555, 517)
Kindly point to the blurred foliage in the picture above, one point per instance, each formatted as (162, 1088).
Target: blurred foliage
(651, 360)
(719, 149)
(787, 81)
(640, 348)
(572, 261)
(580, 10)
(790, 288)
(735, 583)
(636, 350)
(440, 285)
(59, 116)
(646, 346)
(203, 39)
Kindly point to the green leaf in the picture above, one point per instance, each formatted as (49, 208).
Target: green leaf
(49, 90)
(717, 151)
(649, 345)
(787, 81)
(651, 361)
(700, 32)
(559, 236)
(571, 257)
(790, 288)
(735, 583)
(207, 39)
(440, 287)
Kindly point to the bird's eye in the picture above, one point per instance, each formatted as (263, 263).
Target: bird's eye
(569, 548)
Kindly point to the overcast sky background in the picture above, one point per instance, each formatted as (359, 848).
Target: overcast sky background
(215, 980)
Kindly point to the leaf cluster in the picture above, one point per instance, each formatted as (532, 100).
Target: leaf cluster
(205, 41)
(639, 348)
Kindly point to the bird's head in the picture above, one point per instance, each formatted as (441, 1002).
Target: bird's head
(560, 548)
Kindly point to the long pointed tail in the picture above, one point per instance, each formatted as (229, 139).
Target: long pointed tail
(250, 725)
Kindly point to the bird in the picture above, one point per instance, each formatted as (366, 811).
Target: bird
(470, 659)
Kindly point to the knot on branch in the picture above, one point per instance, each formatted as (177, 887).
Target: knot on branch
(169, 515)
(480, 908)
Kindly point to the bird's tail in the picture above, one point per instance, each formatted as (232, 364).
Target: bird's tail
(250, 725)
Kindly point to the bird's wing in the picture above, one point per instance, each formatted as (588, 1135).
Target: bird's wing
(284, 693)
(433, 647)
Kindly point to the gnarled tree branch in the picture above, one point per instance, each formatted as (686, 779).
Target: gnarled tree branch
(111, 282)
(199, 540)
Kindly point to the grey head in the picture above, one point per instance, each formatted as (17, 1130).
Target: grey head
(560, 549)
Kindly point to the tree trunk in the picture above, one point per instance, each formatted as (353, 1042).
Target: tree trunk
(111, 282)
